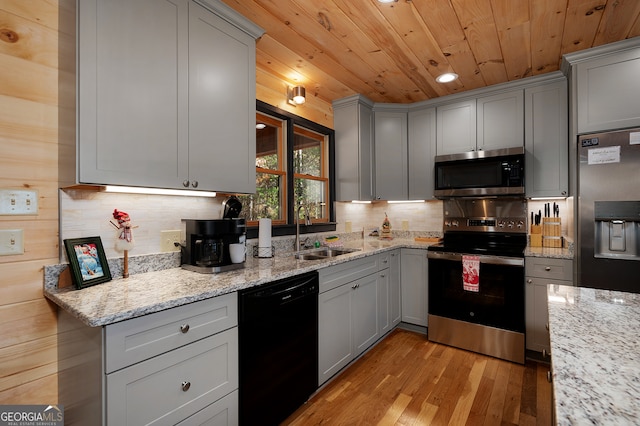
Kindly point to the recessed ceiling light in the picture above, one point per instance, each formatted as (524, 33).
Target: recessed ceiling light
(387, 1)
(446, 77)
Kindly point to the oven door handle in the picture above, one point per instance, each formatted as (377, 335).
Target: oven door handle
(493, 260)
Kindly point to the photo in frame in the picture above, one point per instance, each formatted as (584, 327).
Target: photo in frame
(87, 261)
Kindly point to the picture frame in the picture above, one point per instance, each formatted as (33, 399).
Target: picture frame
(87, 261)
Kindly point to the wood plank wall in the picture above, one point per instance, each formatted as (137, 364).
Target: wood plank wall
(29, 44)
(29, 159)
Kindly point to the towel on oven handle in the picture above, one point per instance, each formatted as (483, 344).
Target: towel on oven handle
(471, 273)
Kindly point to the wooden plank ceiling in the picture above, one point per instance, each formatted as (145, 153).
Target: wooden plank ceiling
(393, 52)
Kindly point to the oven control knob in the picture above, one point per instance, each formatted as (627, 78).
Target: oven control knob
(500, 224)
(520, 224)
(455, 223)
(447, 223)
(472, 314)
(510, 224)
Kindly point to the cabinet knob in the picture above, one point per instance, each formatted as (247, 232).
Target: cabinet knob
(547, 326)
(186, 386)
(545, 354)
(549, 377)
(355, 286)
(548, 268)
(385, 261)
(185, 183)
(382, 275)
(564, 192)
(529, 281)
(184, 328)
(194, 184)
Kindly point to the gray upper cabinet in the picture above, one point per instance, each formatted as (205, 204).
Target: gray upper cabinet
(353, 124)
(391, 178)
(156, 105)
(547, 139)
(456, 127)
(605, 86)
(421, 149)
(500, 120)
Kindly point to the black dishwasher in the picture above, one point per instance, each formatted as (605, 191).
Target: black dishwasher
(278, 331)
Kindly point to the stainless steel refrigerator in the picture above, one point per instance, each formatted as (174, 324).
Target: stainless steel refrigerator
(608, 244)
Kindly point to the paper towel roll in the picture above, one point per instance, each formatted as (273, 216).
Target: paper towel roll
(264, 234)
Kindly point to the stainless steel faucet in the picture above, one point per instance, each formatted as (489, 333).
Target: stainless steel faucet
(307, 222)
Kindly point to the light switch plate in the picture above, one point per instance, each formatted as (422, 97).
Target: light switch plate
(18, 202)
(11, 242)
(167, 240)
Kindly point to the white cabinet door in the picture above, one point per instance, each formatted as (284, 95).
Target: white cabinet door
(364, 300)
(353, 124)
(132, 98)
(421, 149)
(414, 286)
(547, 140)
(500, 120)
(391, 176)
(607, 91)
(222, 84)
(335, 337)
(456, 127)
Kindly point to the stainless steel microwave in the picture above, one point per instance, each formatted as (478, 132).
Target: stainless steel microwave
(480, 173)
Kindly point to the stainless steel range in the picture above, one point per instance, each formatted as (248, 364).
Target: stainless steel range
(476, 277)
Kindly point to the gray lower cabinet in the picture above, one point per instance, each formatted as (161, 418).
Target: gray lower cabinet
(539, 273)
(355, 308)
(414, 266)
(178, 366)
(156, 105)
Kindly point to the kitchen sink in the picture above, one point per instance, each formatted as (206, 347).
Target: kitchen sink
(323, 253)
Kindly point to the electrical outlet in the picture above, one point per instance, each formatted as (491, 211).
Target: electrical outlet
(167, 240)
(11, 242)
(18, 202)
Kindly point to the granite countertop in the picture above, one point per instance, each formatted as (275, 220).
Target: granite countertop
(144, 293)
(595, 355)
(549, 252)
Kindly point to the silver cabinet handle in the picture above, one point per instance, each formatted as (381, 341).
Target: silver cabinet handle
(184, 328)
(549, 377)
(186, 386)
(547, 268)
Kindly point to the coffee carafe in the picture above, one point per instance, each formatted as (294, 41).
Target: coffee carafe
(207, 244)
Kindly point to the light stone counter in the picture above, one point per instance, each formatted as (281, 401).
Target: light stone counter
(148, 292)
(595, 355)
(549, 252)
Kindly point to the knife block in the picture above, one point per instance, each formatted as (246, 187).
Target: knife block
(535, 238)
(551, 232)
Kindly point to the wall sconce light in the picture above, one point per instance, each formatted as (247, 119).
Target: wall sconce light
(296, 95)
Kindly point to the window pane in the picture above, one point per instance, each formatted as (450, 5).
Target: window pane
(268, 143)
(307, 155)
(313, 195)
(266, 202)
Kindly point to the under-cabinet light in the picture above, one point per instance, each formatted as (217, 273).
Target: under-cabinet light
(157, 191)
(404, 201)
(360, 202)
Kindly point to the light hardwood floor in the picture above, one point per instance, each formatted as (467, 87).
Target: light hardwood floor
(407, 380)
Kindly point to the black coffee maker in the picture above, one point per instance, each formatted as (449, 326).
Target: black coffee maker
(207, 244)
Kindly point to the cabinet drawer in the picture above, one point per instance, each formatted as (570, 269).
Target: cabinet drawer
(557, 269)
(172, 386)
(335, 276)
(223, 412)
(135, 340)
